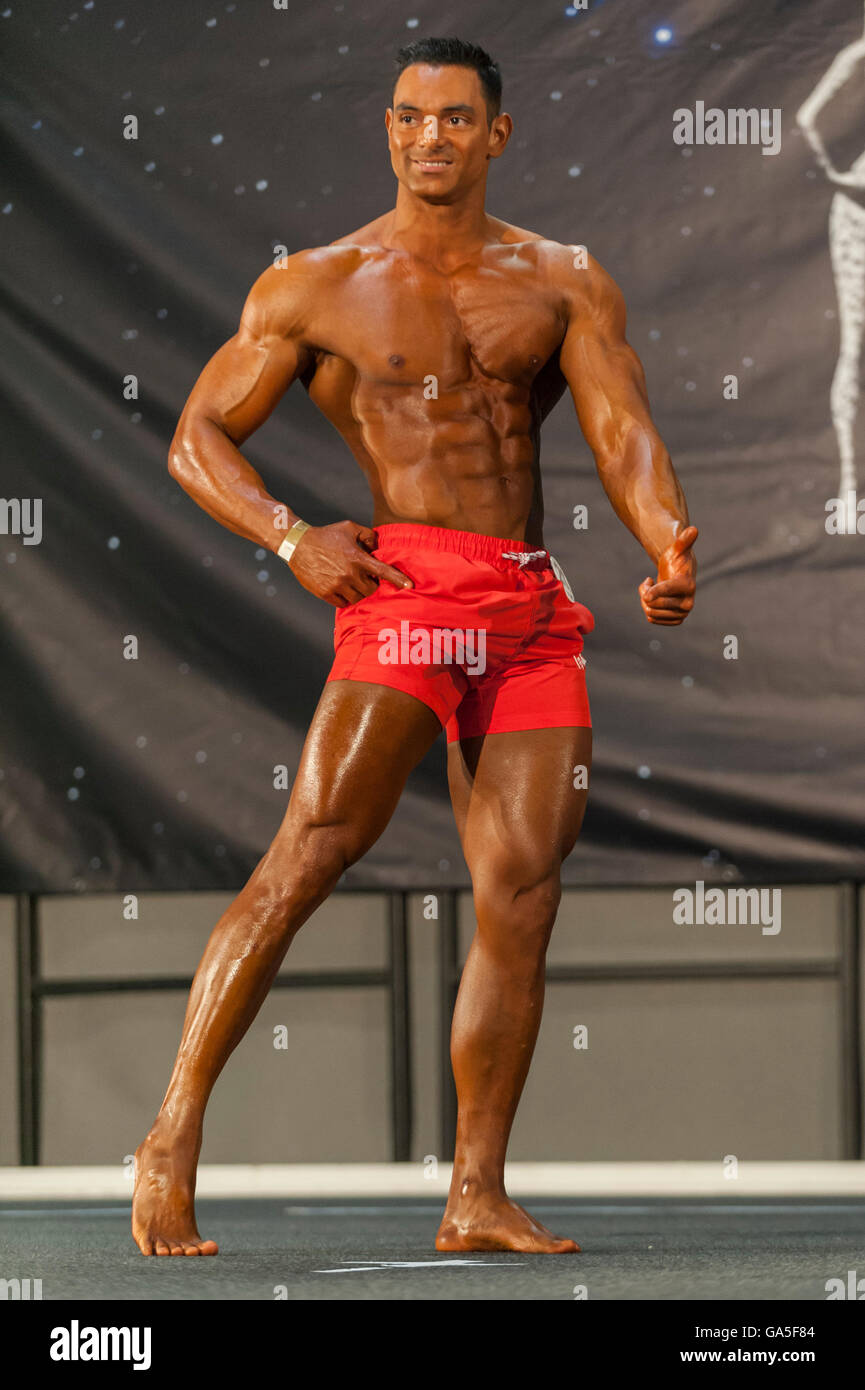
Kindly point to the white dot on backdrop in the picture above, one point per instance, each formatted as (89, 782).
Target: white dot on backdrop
(643, 813)
(262, 576)
(78, 773)
(201, 756)
(709, 191)
(260, 553)
(113, 542)
(747, 361)
(261, 184)
(555, 96)
(654, 645)
(207, 561)
(141, 741)
(158, 827)
(644, 771)
(343, 48)
(686, 231)
(79, 152)
(241, 188)
(7, 208)
(270, 590)
(11, 558)
(135, 417)
(72, 793)
(412, 23)
(690, 385)
(264, 62)
(654, 333)
(129, 333)
(162, 313)
(591, 82)
(95, 434)
(237, 738)
(96, 863)
(119, 23)
(159, 110)
(315, 96)
(444, 865)
(148, 168)
(688, 680)
(210, 23)
(216, 139)
(37, 125)
(575, 171)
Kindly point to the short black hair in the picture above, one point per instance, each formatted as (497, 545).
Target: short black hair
(458, 54)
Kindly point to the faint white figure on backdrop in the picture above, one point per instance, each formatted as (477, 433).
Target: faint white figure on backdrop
(847, 250)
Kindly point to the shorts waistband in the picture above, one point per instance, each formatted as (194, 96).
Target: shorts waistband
(495, 550)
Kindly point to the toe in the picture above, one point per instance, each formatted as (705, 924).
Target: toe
(191, 1249)
(162, 1248)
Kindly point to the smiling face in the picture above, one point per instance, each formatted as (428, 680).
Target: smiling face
(438, 135)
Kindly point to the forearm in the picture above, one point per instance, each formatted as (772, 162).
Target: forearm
(210, 467)
(645, 493)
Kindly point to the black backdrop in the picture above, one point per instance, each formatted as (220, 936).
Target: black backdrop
(260, 126)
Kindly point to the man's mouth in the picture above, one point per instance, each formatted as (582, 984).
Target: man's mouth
(432, 165)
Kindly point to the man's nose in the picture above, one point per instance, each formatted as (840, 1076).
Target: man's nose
(430, 134)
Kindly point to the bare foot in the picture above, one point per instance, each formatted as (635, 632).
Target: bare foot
(493, 1222)
(163, 1210)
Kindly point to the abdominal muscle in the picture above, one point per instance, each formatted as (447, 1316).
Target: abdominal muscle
(465, 470)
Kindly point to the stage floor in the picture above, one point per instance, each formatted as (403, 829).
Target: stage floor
(632, 1249)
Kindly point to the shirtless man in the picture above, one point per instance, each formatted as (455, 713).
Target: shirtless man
(435, 339)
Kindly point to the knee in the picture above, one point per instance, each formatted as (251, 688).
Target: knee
(303, 871)
(517, 905)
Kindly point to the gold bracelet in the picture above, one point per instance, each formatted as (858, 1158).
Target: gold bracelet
(289, 545)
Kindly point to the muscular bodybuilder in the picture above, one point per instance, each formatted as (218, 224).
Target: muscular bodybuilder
(435, 339)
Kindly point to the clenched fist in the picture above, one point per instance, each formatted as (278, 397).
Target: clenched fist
(670, 599)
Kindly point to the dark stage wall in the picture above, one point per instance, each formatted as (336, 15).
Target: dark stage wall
(260, 127)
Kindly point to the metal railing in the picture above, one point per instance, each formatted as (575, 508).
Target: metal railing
(33, 988)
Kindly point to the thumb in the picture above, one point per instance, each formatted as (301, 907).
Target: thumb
(366, 536)
(685, 539)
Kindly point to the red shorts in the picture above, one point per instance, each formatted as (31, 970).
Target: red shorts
(488, 637)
